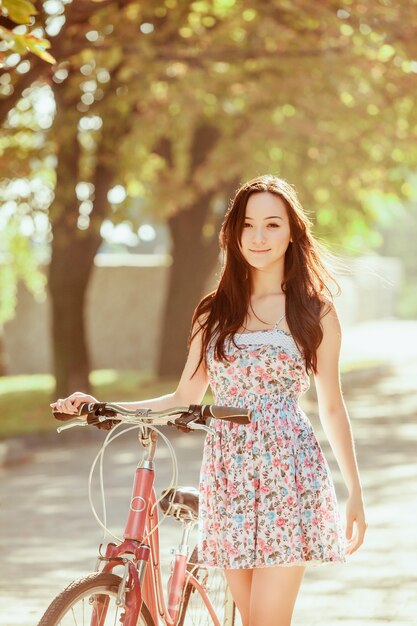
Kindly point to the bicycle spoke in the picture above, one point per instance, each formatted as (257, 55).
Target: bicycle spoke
(98, 607)
(216, 587)
(91, 600)
(213, 580)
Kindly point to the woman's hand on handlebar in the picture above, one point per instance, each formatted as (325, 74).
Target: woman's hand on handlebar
(70, 405)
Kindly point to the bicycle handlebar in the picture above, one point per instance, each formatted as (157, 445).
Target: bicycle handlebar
(105, 415)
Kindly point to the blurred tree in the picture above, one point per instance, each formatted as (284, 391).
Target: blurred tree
(178, 102)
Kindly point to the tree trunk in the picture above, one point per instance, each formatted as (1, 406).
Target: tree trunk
(70, 269)
(72, 260)
(73, 249)
(193, 259)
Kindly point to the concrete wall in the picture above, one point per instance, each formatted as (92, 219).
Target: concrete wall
(125, 307)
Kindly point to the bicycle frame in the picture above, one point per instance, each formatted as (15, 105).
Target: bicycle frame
(142, 580)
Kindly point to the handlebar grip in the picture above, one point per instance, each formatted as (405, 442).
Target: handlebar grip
(63, 417)
(235, 414)
(83, 409)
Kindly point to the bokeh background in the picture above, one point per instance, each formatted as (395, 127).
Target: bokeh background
(126, 127)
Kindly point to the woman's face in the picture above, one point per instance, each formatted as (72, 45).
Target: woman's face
(266, 230)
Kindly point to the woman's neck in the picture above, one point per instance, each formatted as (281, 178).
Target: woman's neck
(266, 283)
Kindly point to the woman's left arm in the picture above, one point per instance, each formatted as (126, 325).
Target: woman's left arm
(336, 425)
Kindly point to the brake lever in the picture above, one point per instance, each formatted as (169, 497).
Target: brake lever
(203, 427)
(188, 422)
(71, 424)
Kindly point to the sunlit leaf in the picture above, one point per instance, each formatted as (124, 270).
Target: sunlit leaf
(36, 45)
(19, 11)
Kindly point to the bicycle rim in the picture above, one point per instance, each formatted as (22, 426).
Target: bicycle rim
(90, 601)
(194, 612)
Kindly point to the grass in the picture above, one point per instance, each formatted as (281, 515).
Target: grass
(25, 399)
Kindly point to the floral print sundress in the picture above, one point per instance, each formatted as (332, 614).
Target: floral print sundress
(267, 496)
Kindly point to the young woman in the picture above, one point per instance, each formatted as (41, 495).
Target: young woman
(268, 507)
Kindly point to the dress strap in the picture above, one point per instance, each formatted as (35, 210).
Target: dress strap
(280, 320)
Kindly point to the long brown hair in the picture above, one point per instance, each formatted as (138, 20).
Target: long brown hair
(224, 310)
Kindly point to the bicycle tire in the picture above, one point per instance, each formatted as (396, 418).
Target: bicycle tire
(61, 610)
(224, 605)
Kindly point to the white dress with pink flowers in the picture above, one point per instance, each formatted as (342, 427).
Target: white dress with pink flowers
(266, 492)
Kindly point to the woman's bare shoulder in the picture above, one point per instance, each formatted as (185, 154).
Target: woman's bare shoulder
(327, 306)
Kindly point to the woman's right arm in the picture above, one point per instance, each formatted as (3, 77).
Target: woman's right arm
(189, 390)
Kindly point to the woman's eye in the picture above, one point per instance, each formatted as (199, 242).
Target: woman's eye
(271, 224)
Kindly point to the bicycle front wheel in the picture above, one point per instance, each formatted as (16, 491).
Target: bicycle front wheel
(194, 611)
(90, 601)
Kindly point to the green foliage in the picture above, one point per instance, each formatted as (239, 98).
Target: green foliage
(17, 262)
(22, 12)
(316, 92)
(25, 399)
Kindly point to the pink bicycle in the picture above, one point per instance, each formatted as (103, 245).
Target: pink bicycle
(126, 587)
